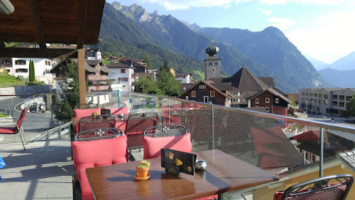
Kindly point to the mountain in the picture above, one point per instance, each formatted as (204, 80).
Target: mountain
(345, 63)
(134, 32)
(339, 78)
(318, 64)
(341, 73)
(122, 36)
(272, 48)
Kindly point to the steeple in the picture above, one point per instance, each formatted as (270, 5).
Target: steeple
(212, 62)
(212, 50)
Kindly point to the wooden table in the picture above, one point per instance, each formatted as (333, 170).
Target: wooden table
(224, 173)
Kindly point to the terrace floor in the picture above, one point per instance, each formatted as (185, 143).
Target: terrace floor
(43, 171)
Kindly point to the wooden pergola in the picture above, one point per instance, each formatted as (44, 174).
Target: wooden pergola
(52, 21)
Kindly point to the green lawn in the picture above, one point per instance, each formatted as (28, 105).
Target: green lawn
(10, 81)
(3, 115)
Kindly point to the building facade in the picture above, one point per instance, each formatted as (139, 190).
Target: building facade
(19, 67)
(122, 76)
(206, 93)
(325, 100)
(242, 89)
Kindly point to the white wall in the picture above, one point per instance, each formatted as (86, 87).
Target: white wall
(41, 69)
(122, 85)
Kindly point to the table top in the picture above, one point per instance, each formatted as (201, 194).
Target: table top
(224, 173)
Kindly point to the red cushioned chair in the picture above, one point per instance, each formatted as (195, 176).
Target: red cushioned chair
(99, 121)
(335, 187)
(166, 136)
(79, 113)
(116, 111)
(16, 129)
(136, 124)
(93, 148)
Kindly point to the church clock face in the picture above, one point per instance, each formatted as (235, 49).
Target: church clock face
(213, 69)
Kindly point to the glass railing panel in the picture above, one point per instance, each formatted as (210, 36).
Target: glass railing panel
(289, 147)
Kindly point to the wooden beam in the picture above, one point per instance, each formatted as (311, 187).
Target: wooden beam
(81, 77)
(82, 23)
(35, 52)
(2, 43)
(38, 24)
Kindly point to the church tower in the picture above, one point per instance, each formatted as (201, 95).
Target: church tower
(212, 62)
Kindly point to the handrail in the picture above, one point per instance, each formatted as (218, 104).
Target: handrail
(271, 116)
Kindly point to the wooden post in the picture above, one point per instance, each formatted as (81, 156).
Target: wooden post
(81, 76)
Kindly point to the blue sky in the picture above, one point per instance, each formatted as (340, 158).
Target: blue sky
(323, 29)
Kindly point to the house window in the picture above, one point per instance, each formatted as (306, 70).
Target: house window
(267, 100)
(6, 62)
(267, 109)
(277, 100)
(124, 79)
(21, 70)
(119, 79)
(193, 93)
(123, 71)
(212, 93)
(202, 86)
(256, 100)
(20, 62)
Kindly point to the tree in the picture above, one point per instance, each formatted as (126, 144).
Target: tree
(31, 76)
(147, 60)
(146, 85)
(351, 107)
(69, 98)
(293, 102)
(167, 83)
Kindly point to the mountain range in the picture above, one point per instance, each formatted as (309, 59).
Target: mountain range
(341, 73)
(132, 31)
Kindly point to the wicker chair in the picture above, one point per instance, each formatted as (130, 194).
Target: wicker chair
(335, 187)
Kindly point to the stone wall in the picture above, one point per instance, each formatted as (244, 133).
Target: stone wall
(27, 90)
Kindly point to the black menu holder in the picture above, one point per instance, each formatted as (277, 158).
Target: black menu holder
(175, 162)
(105, 111)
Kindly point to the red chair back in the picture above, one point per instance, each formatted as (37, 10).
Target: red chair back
(137, 123)
(166, 136)
(100, 121)
(116, 111)
(79, 113)
(21, 118)
(94, 153)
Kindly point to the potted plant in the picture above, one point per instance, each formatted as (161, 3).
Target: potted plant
(94, 115)
(143, 169)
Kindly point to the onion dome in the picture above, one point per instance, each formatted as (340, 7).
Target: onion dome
(212, 50)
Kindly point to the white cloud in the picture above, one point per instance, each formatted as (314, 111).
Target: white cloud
(186, 4)
(281, 23)
(266, 12)
(328, 37)
(315, 2)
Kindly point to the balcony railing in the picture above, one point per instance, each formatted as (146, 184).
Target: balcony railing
(296, 149)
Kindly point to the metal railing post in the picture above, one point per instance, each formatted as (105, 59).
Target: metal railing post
(212, 122)
(169, 111)
(321, 152)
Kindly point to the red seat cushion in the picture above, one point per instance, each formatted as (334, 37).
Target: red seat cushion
(79, 113)
(88, 154)
(116, 111)
(8, 130)
(153, 145)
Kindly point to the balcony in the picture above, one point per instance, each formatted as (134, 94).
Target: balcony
(288, 147)
(97, 77)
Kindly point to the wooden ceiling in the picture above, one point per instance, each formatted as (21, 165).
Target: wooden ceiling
(50, 21)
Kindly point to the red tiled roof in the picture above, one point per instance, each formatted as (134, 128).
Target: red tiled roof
(274, 149)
